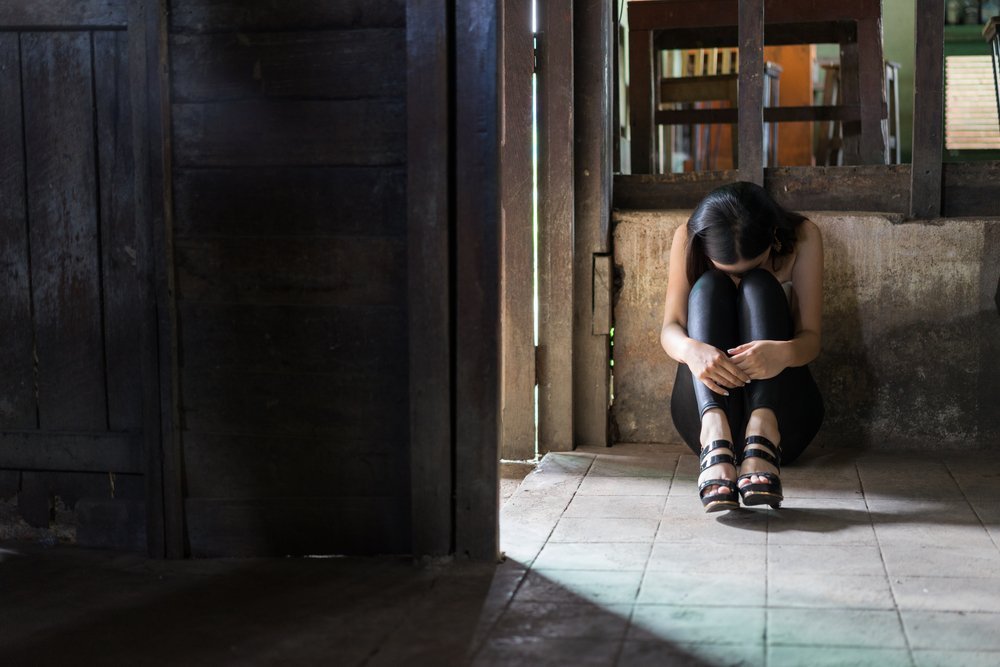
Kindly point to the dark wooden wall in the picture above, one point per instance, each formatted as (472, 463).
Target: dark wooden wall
(289, 172)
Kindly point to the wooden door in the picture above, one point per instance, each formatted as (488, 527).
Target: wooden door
(74, 324)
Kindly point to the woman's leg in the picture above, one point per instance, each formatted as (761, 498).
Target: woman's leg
(786, 409)
(700, 415)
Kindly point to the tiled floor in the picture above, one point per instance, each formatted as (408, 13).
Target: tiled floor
(872, 560)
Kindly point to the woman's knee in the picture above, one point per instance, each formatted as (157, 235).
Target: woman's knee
(760, 283)
(711, 286)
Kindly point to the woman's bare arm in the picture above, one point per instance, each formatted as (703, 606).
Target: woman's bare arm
(708, 364)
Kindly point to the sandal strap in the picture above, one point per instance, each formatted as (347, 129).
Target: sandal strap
(728, 483)
(708, 462)
(771, 453)
(769, 476)
(716, 444)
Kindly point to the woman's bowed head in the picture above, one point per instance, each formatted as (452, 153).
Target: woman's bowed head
(742, 316)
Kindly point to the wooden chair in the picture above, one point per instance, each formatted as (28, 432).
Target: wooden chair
(830, 139)
(656, 25)
(713, 83)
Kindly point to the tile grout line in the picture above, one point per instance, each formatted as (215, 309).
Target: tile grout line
(968, 502)
(529, 568)
(885, 568)
(645, 568)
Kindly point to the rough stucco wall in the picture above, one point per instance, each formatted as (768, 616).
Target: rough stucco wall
(911, 339)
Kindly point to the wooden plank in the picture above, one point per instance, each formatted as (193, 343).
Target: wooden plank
(248, 467)
(295, 526)
(928, 110)
(76, 451)
(111, 524)
(10, 482)
(592, 186)
(18, 408)
(850, 95)
(352, 406)
(517, 327)
(717, 13)
(751, 91)
(62, 209)
(337, 64)
(871, 73)
(429, 278)
(289, 133)
(239, 15)
(123, 313)
(555, 233)
(641, 100)
(855, 188)
(148, 82)
(775, 34)
(477, 276)
(65, 14)
(771, 115)
(970, 189)
(311, 201)
(342, 339)
(317, 271)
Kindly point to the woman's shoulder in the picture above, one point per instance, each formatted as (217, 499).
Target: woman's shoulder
(681, 234)
(807, 230)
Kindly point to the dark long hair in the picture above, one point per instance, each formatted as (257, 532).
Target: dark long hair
(738, 222)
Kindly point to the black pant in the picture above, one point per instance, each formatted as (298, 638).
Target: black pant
(724, 316)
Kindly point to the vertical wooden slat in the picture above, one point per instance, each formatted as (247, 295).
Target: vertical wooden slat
(476, 280)
(555, 228)
(751, 91)
(871, 68)
(928, 110)
(641, 96)
(149, 82)
(62, 206)
(429, 277)
(16, 330)
(517, 344)
(123, 314)
(850, 92)
(592, 185)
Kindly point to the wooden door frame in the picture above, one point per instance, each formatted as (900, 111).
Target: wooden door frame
(457, 70)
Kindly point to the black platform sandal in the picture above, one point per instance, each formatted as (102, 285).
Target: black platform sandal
(715, 502)
(762, 493)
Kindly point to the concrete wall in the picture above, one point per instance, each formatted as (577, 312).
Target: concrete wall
(911, 334)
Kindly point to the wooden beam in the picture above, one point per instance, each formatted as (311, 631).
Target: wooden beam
(476, 280)
(26, 15)
(641, 100)
(928, 110)
(150, 90)
(517, 327)
(555, 228)
(429, 278)
(77, 452)
(751, 91)
(871, 87)
(592, 166)
(771, 115)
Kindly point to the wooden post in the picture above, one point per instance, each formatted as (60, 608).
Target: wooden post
(477, 279)
(555, 227)
(641, 100)
(428, 277)
(850, 93)
(751, 91)
(592, 167)
(928, 110)
(871, 76)
(517, 328)
(149, 79)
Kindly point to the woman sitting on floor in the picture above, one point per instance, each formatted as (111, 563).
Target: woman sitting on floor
(742, 316)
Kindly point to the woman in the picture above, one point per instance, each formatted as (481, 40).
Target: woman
(743, 342)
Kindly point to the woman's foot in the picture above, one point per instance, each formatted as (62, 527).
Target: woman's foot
(759, 483)
(717, 481)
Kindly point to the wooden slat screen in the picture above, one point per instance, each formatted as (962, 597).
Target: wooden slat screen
(970, 104)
